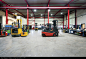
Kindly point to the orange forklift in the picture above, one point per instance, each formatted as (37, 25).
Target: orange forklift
(2, 33)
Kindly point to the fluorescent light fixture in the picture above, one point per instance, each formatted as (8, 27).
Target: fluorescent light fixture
(51, 14)
(35, 10)
(61, 13)
(41, 14)
(31, 14)
(49, 10)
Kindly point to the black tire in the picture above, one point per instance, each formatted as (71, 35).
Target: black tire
(43, 35)
(12, 35)
(54, 34)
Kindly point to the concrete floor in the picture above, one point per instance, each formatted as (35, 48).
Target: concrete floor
(34, 45)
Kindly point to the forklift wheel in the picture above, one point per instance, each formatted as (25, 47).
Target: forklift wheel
(12, 35)
(54, 34)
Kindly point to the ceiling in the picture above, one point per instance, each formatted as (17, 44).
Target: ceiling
(41, 3)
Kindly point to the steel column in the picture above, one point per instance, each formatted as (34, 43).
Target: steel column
(48, 16)
(44, 21)
(27, 16)
(63, 22)
(76, 18)
(68, 18)
(6, 16)
(29, 6)
(34, 21)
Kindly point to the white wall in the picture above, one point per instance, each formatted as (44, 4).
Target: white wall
(41, 21)
(72, 19)
(24, 20)
(10, 19)
(3, 20)
(81, 17)
(2, 13)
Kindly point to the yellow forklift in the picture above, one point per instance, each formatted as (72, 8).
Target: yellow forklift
(36, 28)
(16, 31)
(25, 31)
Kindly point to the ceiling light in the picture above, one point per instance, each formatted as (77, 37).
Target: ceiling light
(31, 14)
(41, 14)
(51, 14)
(61, 13)
(49, 10)
(34, 10)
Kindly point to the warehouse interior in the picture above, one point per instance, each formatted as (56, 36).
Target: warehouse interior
(42, 28)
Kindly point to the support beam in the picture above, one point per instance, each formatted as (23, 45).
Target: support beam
(25, 7)
(65, 5)
(20, 13)
(44, 21)
(6, 16)
(63, 22)
(28, 6)
(68, 18)
(27, 16)
(34, 21)
(48, 11)
(48, 16)
(47, 6)
(76, 18)
(9, 5)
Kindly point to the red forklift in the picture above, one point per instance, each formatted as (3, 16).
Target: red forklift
(48, 32)
(2, 33)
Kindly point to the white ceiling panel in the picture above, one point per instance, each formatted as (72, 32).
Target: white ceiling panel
(60, 1)
(14, 1)
(37, 1)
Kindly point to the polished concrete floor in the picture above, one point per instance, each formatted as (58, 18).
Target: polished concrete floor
(34, 45)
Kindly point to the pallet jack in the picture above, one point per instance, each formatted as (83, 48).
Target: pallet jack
(36, 28)
(2, 33)
(51, 32)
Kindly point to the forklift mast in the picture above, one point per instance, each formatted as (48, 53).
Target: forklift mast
(0, 28)
(49, 25)
(55, 23)
(35, 24)
(18, 24)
